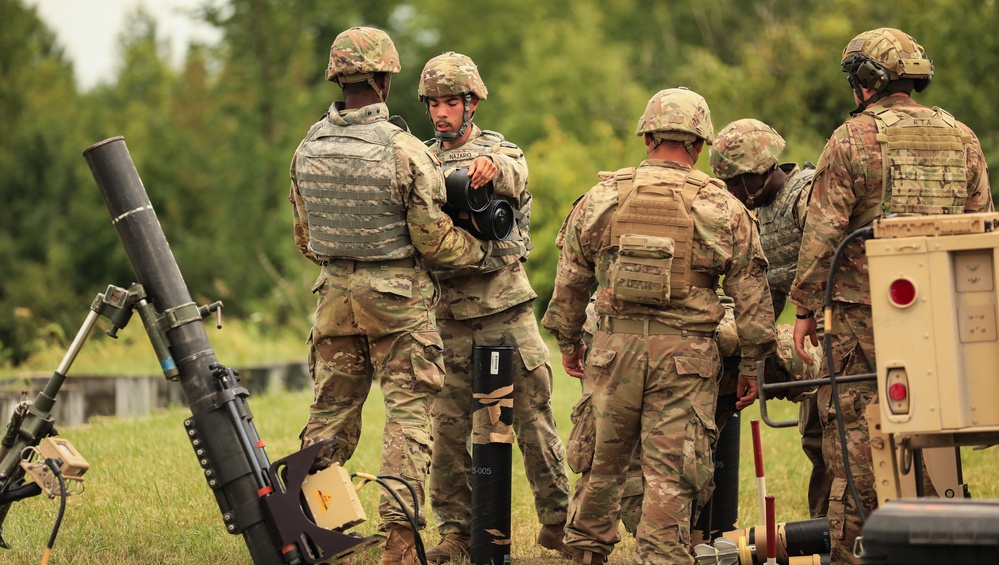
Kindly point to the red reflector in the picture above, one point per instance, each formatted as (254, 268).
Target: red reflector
(898, 391)
(902, 292)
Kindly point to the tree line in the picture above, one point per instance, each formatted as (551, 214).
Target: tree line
(212, 139)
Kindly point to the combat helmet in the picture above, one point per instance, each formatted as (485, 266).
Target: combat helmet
(745, 146)
(452, 74)
(885, 60)
(678, 114)
(360, 52)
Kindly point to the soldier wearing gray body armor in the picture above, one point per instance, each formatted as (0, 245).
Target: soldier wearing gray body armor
(746, 155)
(367, 200)
(490, 305)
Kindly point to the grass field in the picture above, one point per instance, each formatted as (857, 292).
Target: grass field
(146, 500)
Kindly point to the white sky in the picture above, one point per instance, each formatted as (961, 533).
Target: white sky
(88, 31)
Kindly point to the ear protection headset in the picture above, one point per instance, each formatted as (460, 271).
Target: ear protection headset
(863, 71)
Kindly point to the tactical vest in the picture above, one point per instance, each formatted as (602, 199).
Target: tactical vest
(346, 175)
(780, 235)
(924, 161)
(494, 142)
(652, 221)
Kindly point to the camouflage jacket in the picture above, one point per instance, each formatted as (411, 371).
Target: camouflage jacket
(418, 176)
(726, 243)
(501, 282)
(848, 182)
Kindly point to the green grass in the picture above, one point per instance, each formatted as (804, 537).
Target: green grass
(146, 500)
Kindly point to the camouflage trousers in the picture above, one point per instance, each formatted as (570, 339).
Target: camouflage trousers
(657, 393)
(853, 353)
(581, 445)
(819, 481)
(377, 325)
(533, 419)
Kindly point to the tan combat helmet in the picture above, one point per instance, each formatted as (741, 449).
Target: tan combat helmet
(745, 146)
(452, 74)
(360, 52)
(678, 114)
(878, 59)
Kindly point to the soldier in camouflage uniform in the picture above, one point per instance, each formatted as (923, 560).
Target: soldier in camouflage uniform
(367, 200)
(580, 446)
(655, 239)
(489, 305)
(746, 155)
(893, 156)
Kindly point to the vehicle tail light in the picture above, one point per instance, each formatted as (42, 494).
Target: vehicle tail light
(902, 292)
(897, 385)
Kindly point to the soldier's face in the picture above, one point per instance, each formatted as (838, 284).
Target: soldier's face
(448, 112)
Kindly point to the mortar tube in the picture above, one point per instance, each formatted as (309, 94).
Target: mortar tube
(156, 270)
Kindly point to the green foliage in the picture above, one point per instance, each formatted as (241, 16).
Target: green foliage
(212, 139)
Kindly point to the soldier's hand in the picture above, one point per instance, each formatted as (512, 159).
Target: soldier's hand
(481, 171)
(747, 391)
(573, 362)
(804, 328)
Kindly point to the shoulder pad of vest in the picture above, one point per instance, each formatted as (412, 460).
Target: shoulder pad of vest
(717, 182)
(624, 174)
(508, 148)
(884, 115)
(399, 122)
(701, 178)
(315, 127)
(493, 136)
(945, 116)
(496, 143)
(430, 142)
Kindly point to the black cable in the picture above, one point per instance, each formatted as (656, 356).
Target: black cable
(54, 464)
(866, 233)
(413, 520)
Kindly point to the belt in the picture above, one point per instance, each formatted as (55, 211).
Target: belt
(646, 327)
(351, 265)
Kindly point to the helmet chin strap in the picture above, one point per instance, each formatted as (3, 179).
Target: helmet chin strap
(466, 119)
(860, 96)
(891, 88)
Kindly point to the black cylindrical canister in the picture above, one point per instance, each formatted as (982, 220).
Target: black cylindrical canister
(492, 445)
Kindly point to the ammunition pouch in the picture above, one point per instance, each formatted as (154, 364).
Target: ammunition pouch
(640, 272)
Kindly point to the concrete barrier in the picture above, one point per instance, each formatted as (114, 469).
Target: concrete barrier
(85, 396)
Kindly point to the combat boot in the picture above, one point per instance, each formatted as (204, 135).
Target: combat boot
(550, 537)
(452, 546)
(586, 557)
(400, 547)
